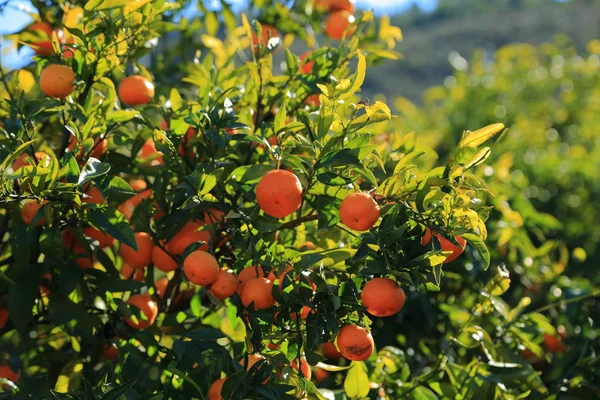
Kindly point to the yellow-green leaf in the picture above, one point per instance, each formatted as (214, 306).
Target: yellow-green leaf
(131, 6)
(357, 79)
(474, 139)
(70, 377)
(356, 383)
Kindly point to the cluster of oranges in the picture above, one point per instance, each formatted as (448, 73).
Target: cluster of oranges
(340, 17)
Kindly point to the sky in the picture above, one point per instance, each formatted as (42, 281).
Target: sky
(14, 17)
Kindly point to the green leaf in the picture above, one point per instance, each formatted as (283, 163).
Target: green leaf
(92, 169)
(8, 161)
(117, 392)
(480, 136)
(96, 5)
(21, 297)
(422, 393)
(356, 383)
(70, 377)
(357, 79)
(114, 223)
(480, 246)
(122, 115)
(280, 118)
(175, 99)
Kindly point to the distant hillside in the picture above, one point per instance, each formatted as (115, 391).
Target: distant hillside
(488, 24)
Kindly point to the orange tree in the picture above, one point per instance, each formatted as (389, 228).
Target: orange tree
(214, 226)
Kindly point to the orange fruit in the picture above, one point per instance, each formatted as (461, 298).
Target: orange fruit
(382, 297)
(330, 351)
(201, 268)
(214, 393)
(336, 26)
(189, 234)
(212, 216)
(104, 239)
(248, 273)
(128, 271)
(307, 246)
(359, 211)
(306, 67)
(21, 161)
(304, 367)
(83, 257)
(225, 285)
(110, 352)
(446, 244)
(148, 308)
(303, 313)
(186, 141)
(57, 81)
(128, 206)
(29, 211)
(136, 90)
(161, 286)
(138, 185)
(43, 30)
(554, 344)
(312, 100)
(267, 32)
(162, 260)
(258, 291)
(279, 193)
(143, 256)
(251, 272)
(342, 5)
(320, 374)
(355, 343)
(150, 155)
(94, 195)
(252, 360)
(3, 317)
(7, 372)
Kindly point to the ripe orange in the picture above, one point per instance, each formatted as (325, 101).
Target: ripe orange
(279, 193)
(161, 286)
(148, 308)
(337, 25)
(258, 291)
(304, 367)
(162, 260)
(251, 272)
(136, 90)
(312, 100)
(7, 372)
(554, 344)
(268, 32)
(248, 273)
(226, 284)
(342, 5)
(303, 313)
(359, 211)
(104, 239)
(446, 245)
(189, 234)
(186, 141)
(57, 81)
(3, 317)
(330, 351)
(306, 67)
(98, 150)
(110, 352)
(320, 374)
(355, 343)
(150, 155)
(201, 268)
(127, 271)
(43, 30)
(307, 246)
(143, 256)
(29, 211)
(252, 360)
(382, 297)
(138, 185)
(93, 196)
(128, 206)
(214, 393)
(83, 256)
(43, 160)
